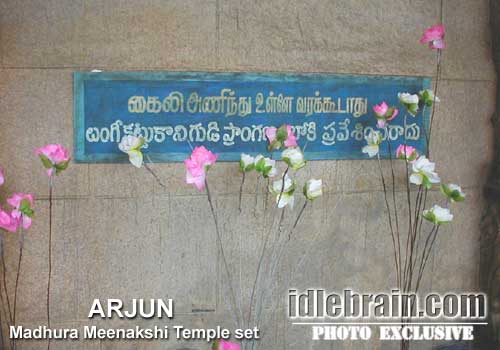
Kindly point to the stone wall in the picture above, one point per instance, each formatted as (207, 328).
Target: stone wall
(118, 234)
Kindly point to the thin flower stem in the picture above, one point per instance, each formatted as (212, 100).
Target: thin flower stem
(266, 196)
(3, 303)
(21, 246)
(408, 193)
(223, 255)
(263, 281)
(389, 217)
(151, 171)
(289, 237)
(424, 250)
(278, 237)
(267, 187)
(280, 224)
(274, 251)
(438, 73)
(308, 251)
(256, 201)
(241, 190)
(422, 269)
(425, 133)
(408, 240)
(275, 260)
(259, 267)
(50, 257)
(274, 265)
(398, 251)
(419, 230)
(4, 277)
(418, 205)
(282, 185)
(416, 234)
(298, 218)
(1, 327)
(6, 320)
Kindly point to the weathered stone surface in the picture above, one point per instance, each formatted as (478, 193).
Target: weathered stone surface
(326, 36)
(94, 244)
(468, 51)
(455, 268)
(119, 234)
(120, 181)
(462, 140)
(110, 35)
(188, 253)
(36, 109)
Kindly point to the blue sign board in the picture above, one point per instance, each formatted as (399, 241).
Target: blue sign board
(229, 112)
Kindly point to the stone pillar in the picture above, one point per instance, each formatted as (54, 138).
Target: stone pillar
(489, 337)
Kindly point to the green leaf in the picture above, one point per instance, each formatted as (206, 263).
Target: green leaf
(62, 165)
(25, 204)
(413, 109)
(430, 217)
(45, 161)
(266, 170)
(275, 145)
(249, 167)
(282, 134)
(426, 183)
(25, 207)
(260, 165)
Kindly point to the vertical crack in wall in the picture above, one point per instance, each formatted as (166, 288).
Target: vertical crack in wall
(489, 337)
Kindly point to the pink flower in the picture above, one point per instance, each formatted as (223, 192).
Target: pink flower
(222, 344)
(197, 165)
(384, 114)
(2, 177)
(291, 140)
(381, 109)
(281, 136)
(271, 134)
(381, 123)
(54, 157)
(406, 152)
(8, 222)
(434, 36)
(23, 208)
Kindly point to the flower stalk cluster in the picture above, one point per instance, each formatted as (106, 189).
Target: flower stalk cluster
(55, 158)
(283, 188)
(412, 246)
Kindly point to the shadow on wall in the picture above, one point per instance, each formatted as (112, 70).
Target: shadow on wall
(489, 337)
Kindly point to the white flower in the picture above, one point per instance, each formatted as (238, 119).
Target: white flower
(265, 166)
(453, 192)
(373, 139)
(438, 215)
(428, 98)
(294, 157)
(423, 173)
(132, 146)
(313, 189)
(409, 101)
(405, 97)
(247, 162)
(283, 193)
